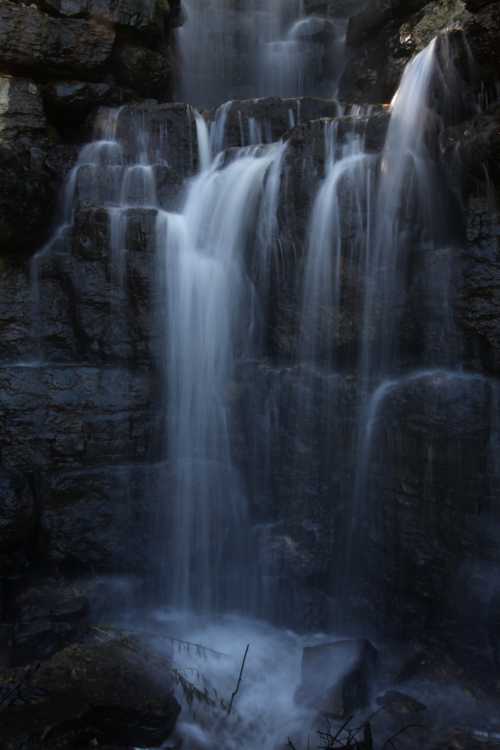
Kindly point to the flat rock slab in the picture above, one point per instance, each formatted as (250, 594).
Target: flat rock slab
(337, 677)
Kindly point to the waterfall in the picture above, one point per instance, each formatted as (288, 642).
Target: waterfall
(339, 236)
(403, 199)
(269, 49)
(211, 317)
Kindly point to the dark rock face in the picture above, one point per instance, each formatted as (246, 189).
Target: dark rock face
(69, 416)
(106, 519)
(34, 41)
(17, 522)
(33, 165)
(47, 619)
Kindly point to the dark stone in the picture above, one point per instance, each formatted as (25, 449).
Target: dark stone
(47, 618)
(478, 303)
(144, 17)
(22, 113)
(273, 115)
(32, 166)
(430, 488)
(17, 522)
(144, 70)
(482, 32)
(35, 43)
(105, 520)
(67, 417)
(69, 103)
(114, 691)
(400, 704)
(337, 677)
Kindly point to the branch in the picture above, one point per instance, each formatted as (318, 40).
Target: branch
(391, 739)
(235, 693)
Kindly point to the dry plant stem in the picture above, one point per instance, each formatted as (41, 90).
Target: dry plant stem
(235, 693)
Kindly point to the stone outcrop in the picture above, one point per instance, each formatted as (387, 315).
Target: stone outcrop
(59, 61)
(383, 36)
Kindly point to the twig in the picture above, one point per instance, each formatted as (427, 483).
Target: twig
(291, 745)
(110, 631)
(342, 728)
(235, 693)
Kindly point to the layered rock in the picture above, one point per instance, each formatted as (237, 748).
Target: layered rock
(59, 62)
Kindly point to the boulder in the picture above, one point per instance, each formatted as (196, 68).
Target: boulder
(337, 678)
(113, 691)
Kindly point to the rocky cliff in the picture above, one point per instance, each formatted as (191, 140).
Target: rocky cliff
(82, 440)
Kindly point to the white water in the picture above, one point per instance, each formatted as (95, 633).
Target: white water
(342, 202)
(211, 315)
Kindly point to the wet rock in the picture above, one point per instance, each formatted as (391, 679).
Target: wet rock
(337, 677)
(15, 312)
(268, 119)
(104, 299)
(173, 134)
(482, 30)
(17, 522)
(431, 467)
(32, 42)
(74, 416)
(112, 692)
(478, 302)
(104, 519)
(47, 618)
(400, 704)
(21, 109)
(32, 165)
(69, 103)
(144, 70)
(145, 17)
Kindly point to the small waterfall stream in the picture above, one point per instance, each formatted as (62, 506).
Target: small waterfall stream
(210, 317)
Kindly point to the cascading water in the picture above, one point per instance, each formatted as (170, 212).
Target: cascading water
(265, 49)
(210, 316)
